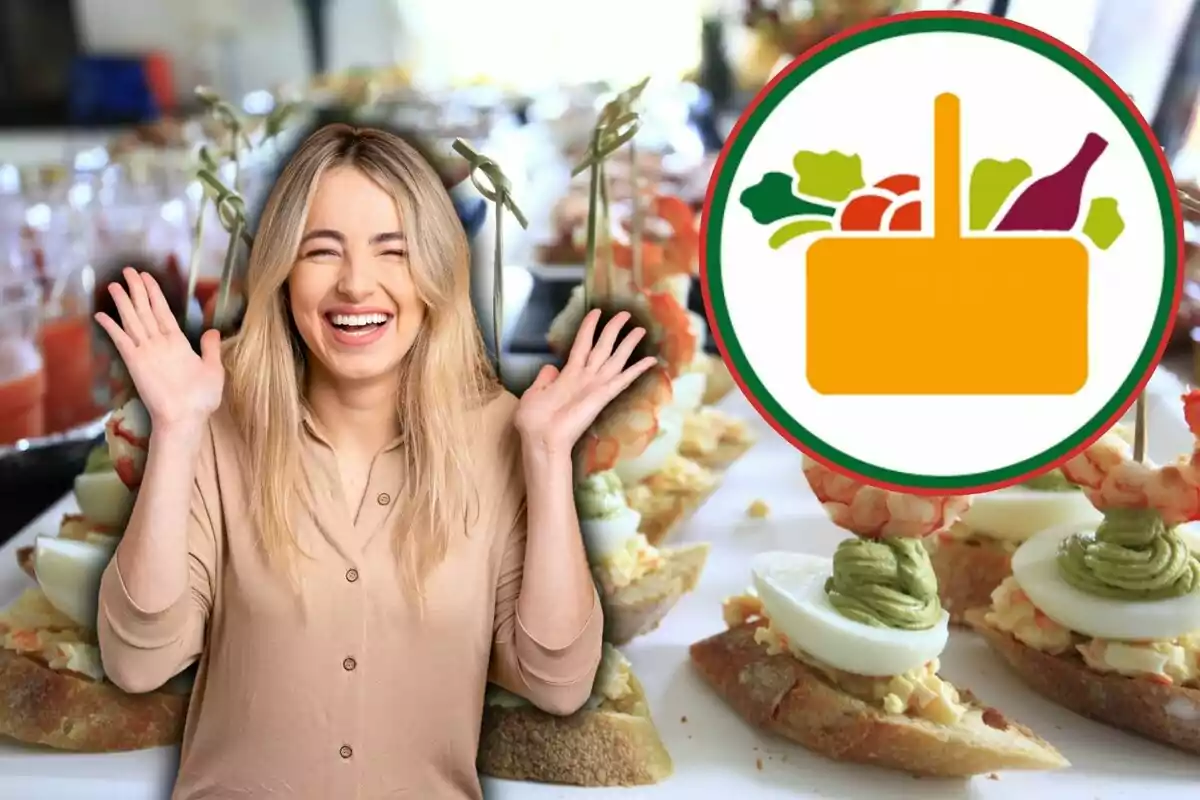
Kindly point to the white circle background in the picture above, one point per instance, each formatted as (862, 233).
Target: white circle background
(878, 102)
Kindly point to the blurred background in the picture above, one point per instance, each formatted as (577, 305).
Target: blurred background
(101, 137)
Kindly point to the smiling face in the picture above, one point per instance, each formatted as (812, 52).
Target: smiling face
(351, 290)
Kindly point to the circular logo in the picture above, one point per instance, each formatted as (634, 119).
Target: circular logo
(942, 253)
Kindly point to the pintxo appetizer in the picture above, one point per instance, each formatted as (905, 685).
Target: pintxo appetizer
(639, 583)
(1104, 618)
(841, 655)
(973, 556)
(611, 741)
(51, 676)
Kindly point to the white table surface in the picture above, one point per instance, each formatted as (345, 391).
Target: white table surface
(716, 755)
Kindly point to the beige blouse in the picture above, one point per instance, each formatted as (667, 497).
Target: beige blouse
(358, 696)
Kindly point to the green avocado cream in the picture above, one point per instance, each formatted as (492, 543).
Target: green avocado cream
(600, 496)
(1052, 481)
(888, 583)
(98, 460)
(1133, 555)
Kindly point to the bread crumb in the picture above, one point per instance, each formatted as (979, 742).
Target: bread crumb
(758, 763)
(683, 719)
(758, 510)
(993, 776)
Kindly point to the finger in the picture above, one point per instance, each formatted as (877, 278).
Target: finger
(545, 377)
(210, 347)
(141, 302)
(122, 342)
(597, 399)
(623, 381)
(620, 358)
(130, 322)
(159, 305)
(583, 341)
(608, 338)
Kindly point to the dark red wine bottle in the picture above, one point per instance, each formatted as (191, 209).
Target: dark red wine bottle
(1052, 203)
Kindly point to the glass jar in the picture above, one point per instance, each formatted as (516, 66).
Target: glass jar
(22, 374)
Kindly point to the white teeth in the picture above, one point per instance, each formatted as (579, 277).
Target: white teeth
(357, 320)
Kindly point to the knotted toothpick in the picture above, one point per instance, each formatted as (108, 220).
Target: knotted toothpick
(616, 126)
(206, 162)
(235, 128)
(1141, 422)
(231, 212)
(498, 190)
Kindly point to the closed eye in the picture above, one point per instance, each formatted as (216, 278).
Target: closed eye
(396, 253)
(317, 253)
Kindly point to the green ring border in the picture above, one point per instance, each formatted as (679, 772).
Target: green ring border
(918, 24)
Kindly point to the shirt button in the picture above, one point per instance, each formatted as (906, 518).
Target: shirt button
(349, 664)
(345, 752)
(383, 499)
(352, 575)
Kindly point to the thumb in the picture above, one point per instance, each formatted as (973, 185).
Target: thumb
(545, 377)
(210, 347)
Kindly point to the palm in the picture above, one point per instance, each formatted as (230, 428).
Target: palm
(173, 383)
(560, 406)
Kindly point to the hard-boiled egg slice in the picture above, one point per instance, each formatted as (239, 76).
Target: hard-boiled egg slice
(128, 434)
(103, 498)
(69, 573)
(792, 589)
(609, 535)
(1035, 568)
(654, 457)
(687, 391)
(1015, 514)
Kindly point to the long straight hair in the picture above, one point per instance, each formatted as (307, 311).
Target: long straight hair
(444, 378)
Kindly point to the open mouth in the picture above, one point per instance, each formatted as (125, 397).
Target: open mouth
(358, 324)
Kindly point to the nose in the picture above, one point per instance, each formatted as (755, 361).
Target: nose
(356, 280)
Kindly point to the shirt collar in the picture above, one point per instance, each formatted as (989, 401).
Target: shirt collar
(314, 429)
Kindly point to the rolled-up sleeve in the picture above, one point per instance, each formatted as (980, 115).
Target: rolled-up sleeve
(559, 679)
(142, 650)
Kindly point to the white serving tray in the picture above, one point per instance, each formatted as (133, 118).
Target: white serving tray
(716, 755)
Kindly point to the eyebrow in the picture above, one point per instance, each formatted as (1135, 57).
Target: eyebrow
(325, 233)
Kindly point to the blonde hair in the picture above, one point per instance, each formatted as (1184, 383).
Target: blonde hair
(443, 379)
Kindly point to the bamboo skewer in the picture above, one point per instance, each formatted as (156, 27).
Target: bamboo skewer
(616, 126)
(498, 192)
(1140, 432)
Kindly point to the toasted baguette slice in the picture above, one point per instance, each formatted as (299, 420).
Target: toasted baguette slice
(785, 696)
(723, 456)
(1166, 714)
(68, 712)
(720, 381)
(25, 560)
(666, 517)
(560, 253)
(639, 607)
(968, 571)
(614, 744)
(714, 439)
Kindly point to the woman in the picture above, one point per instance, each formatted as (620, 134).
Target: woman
(343, 517)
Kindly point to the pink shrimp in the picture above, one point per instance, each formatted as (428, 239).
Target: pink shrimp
(1111, 478)
(629, 424)
(127, 433)
(676, 340)
(875, 513)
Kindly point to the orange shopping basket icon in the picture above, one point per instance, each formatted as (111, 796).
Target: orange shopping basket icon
(948, 314)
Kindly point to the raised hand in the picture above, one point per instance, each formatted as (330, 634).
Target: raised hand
(560, 406)
(174, 384)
